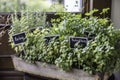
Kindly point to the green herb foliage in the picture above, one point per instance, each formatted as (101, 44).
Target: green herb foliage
(26, 23)
(100, 55)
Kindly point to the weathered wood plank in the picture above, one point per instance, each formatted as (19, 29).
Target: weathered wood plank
(5, 25)
(51, 71)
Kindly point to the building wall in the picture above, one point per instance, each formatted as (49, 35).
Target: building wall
(102, 4)
(116, 13)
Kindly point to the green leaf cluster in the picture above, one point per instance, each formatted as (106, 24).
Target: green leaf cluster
(100, 55)
(26, 22)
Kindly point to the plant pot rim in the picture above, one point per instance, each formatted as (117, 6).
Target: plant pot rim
(49, 70)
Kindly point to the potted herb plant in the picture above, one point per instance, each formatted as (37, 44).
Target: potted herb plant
(97, 57)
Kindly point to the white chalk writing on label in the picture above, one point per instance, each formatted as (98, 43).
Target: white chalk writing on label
(80, 40)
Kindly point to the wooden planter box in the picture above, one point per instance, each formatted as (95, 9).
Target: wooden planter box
(50, 71)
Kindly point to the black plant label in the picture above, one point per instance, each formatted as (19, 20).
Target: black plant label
(49, 38)
(19, 38)
(80, 41)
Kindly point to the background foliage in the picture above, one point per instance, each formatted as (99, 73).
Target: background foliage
(29, 5)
